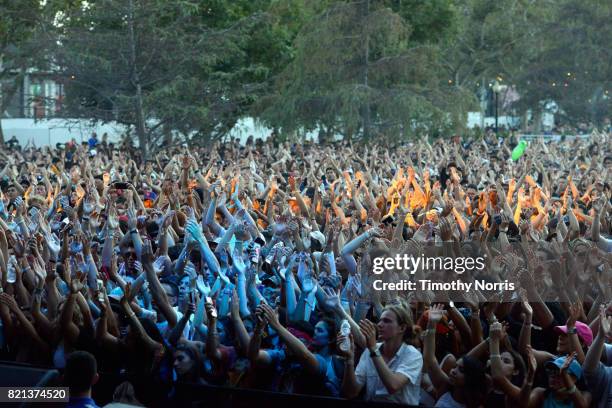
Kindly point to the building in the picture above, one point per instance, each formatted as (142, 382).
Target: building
(38, 96)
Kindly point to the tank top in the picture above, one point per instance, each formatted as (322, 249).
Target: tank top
(551, 402)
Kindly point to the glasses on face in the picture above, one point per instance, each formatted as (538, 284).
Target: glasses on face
(130, 254)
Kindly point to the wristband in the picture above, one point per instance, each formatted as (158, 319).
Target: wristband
(134, 231)
(375, 353)
(494, 355)
(571, 330)
(572, 390)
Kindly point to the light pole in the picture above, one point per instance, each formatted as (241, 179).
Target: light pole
(497, 89)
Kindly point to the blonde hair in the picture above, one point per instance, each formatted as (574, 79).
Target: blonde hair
(403, 315)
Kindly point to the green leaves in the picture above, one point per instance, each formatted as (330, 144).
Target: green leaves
(357, 66)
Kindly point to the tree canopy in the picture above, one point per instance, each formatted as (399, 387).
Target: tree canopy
(357, 68)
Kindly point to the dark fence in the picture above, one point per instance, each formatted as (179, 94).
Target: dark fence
(184, 395)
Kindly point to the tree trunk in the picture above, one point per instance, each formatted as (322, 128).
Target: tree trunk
(167, 135)
(537, 122)
(482, 103)
(140, 121)
(140, 125)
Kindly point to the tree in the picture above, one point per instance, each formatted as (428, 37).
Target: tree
(22, 27)
(357, 72)
(572, 63)
(491, 41)
(159, 66)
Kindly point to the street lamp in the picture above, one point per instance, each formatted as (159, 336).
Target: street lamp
(497, 89)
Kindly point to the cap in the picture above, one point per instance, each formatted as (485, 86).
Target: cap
(583, 331)
(574, 368)
(150, 195)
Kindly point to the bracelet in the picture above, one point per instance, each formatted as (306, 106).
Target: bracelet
(134, 231)
(572, 390)
(494, 355)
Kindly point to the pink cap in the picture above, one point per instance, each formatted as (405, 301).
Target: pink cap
(583, 331)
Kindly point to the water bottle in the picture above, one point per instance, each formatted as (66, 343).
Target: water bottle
(345, 330)
(12, 271)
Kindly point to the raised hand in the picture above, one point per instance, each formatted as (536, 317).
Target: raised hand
(445, 230)
(9, 301)
(605, 323)
(348, 354)
(599, 204)
(189, 309)
(332, 299)
(435, 314)
(423, 232)
(126, 295)
(167, 219)
(77, 283)
(190, 213)
(195, 230)
(112, 219)
(146, 255)
(527, 309)
(235, 304)
(574, 313)
(368, 329)
(270, 315)
(375, 232)
(568, 361)
(132, 220)
(495, 331)
(532, 363)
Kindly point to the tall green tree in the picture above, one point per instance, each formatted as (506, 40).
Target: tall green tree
(356, 72)
(186, 67)
(23, 25)
(571, 62)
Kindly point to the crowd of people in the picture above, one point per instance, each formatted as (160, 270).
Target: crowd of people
(251, 266)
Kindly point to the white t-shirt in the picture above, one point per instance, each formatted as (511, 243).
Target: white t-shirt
(447, 401)
(408, 361)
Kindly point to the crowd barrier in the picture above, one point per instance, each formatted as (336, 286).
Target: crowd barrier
(185, 395)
